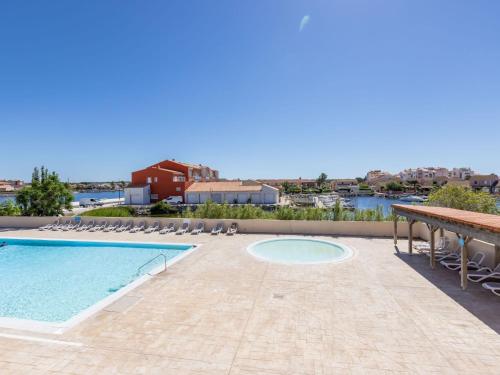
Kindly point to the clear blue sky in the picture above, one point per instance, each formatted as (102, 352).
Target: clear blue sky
(96, 89)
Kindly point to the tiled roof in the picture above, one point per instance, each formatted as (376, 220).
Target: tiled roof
(224, 186)
(169, 170)
(474, 219)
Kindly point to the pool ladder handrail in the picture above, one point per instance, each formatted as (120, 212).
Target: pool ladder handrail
(151, 260)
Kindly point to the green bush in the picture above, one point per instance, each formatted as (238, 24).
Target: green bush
(9, 208)
(163, 208)
(463, 199)
(123, 211)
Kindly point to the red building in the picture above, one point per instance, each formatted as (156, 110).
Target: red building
(171, 178)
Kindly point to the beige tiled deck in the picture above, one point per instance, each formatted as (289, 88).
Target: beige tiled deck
(221, 311)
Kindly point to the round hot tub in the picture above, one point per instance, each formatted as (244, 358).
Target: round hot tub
(299, 251)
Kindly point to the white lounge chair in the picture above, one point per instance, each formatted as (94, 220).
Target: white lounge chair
(153, 228)
(139, 227)
(184, 228)
(61, 226)
(493, 287)
(217, 229)
(49, 226)
(484, 273)
(98, 227)
(125, 226)
(233, 229)
(441, 245)
(87, 226)
(474, 263)
(168, 229)
(198, 228)
(112, 227)
(72, 226)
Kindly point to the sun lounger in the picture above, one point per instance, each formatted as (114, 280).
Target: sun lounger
(484, 273)
(493, 287)
(112, 227)
(49, 226)
(98, 227)
(72, 226)
(124, 227)
(87, 226)
(441, 245)
(153, 228)
(218, 229)
(233, 229)
(184, 228)
(60, 226)
(474, 263)
(168, 229)
(447, 255)
(139, 227)
(198, 228)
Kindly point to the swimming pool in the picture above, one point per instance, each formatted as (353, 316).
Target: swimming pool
(299, 251)
(56, 280)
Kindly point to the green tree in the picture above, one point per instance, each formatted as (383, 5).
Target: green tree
(320, 181)
(286, 187)
(463, 198)
(294, 189)
(394, 186)
(8, 208)
(47, 195)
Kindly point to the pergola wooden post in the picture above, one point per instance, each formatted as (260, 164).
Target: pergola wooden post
(497, 255)
(432, 231)
(395, 230)
(410, 236)
(464, 258)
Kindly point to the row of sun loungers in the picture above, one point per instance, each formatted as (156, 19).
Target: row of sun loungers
(118, 226)
(477, 272)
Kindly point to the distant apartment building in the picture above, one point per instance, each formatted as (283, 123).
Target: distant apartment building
(478, 182)
(438, 174)
(232, 192)
(343, 184)
(278, 182)
(164, 179)
(376, 175)
(195, 183)
(10, 185)
(461, 173)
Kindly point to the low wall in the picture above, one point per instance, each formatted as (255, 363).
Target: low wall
(344, 228)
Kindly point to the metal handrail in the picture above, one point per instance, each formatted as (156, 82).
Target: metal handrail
(152, 259)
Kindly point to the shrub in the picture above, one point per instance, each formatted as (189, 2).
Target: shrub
(163, 208)
(463, 199)
(122, 211)
(9, 208)
(46, 196)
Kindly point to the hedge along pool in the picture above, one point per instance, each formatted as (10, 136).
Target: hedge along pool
(53, 281)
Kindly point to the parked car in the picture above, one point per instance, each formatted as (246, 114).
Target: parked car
(173, 199)
(90, 202)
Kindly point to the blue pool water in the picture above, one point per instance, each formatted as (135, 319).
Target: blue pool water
(299, 251)
(52, 281)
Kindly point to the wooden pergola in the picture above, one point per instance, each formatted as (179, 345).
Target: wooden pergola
(466, 225)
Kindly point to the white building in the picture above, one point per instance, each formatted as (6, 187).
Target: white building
(240, 192)
(137, 194)
(377, 175)
(462, 173)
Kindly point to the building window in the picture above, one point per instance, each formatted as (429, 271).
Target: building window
(149, 180)
(156, 179)
(177, 189)
(179, 179)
